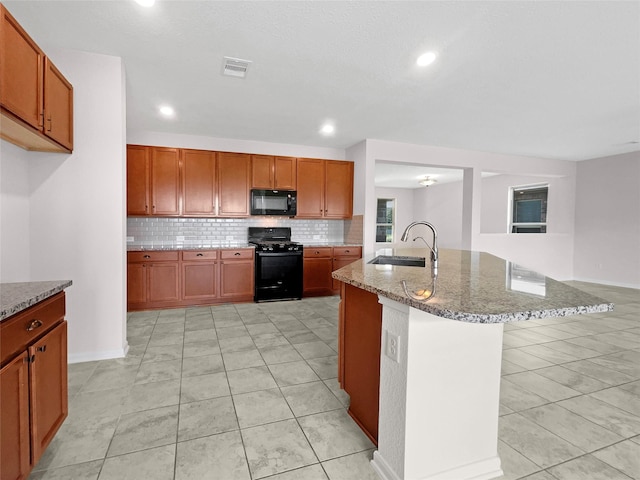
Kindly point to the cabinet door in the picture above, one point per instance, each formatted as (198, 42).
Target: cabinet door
(20, 72)
(136, 283)
(163, 281)
(310, 188)
(198, 182)
(14, 419)
(236, 278)
(338, 263)
(285, 177)
(338, 189)
(317, 276)
(199, 281)
(48, 388)
(233, 184)
(137, 180)
(262, 171)
(165, 181)
(58, 106)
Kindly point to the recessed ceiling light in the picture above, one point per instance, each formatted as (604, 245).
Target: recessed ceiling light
(146, 3)
(327, 129)
(426, 59)
(167, 111)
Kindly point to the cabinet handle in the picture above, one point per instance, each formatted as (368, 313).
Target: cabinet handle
(199, 255)
(42, 349)
(33, 325)
(237, 254)
(146, 208)
(31, 359)
(49, 120)
(317, 253)
(41, 123)
(146, 256)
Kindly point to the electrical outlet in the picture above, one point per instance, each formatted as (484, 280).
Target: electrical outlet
(392, 344)
(179, 238)
(129, 239)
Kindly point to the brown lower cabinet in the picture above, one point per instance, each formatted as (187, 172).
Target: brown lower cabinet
(359, 340)
(166, 279)
(319, 262)
(33, 384)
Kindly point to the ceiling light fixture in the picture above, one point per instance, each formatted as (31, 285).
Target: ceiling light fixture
(146, 3)
(427, 181)
(426, 59)
(327, 129)
(167, 111)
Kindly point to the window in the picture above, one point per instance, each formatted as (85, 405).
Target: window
(384, 220)
(529, 209)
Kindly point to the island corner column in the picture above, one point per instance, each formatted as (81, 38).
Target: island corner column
(439, 403)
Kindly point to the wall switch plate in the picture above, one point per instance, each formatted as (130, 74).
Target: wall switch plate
(179, 238)
(129, 239)
(392, 346)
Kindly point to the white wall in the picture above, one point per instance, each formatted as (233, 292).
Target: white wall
(77, 208)
(607, 220)
(441, 205)
(177, 140)
(15, 257)
(547, 254)
(403, 210)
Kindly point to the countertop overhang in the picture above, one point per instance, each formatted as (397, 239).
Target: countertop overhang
(471, 286)
(16, 297)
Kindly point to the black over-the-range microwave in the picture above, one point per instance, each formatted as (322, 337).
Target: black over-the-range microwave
(273, 202)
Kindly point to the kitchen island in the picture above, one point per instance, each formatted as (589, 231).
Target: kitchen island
(439, 355)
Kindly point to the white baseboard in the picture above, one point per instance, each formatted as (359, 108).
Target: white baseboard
(93, 356)
(482, 470)
(605, 282)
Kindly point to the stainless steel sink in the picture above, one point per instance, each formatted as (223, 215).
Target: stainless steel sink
(398, 260)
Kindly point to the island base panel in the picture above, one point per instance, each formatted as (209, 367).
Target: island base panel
(448, 381)
(360, 360)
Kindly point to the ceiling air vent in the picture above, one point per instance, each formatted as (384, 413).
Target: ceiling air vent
(235, 67)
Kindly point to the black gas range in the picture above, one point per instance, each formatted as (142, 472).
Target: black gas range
(278, 264)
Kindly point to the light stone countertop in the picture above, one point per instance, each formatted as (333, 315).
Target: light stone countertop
(150, 248)
(16, 297)
(473, 287)
(314, 243)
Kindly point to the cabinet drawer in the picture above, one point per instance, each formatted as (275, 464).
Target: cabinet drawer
(347, 251)
(153, 256)
(200, 255)
(236, 254)
(317, 252)
(25, 327)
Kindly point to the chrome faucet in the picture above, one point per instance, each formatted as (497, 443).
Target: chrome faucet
(433, 248)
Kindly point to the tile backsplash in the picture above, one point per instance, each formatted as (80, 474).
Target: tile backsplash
(219, 232)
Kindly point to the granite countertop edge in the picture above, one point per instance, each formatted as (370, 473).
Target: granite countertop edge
(17, 297)
(360, 275)
(151, 248)
(476, 317)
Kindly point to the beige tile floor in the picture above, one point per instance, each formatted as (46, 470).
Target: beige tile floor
(249, 391)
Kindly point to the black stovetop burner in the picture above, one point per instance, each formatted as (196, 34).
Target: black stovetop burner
(273, 239)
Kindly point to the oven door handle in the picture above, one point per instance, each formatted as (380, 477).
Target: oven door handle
(278, 254)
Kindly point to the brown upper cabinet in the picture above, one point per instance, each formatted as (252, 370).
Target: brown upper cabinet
(276, 173)
(137, 180)
(168, 182)
(153, 181)
(325, 188)
(199, 186)
(233, 184)
(36, 100)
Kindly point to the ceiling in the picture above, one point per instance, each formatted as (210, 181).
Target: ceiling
(553, 79)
